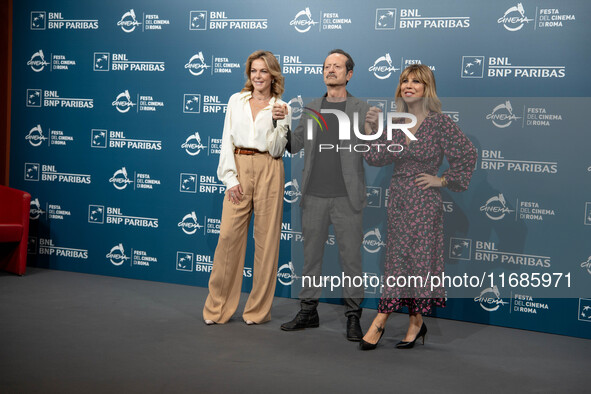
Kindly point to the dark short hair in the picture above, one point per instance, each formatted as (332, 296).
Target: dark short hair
(349, 63)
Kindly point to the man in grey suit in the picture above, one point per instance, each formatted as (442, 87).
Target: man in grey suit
(333, 190)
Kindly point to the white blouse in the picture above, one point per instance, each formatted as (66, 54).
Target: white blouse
(241, 131)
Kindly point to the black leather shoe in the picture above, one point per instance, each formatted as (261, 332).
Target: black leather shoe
(411, 344)
(303, 319)
(354, 332)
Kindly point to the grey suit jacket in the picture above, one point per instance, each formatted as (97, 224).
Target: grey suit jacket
(351, 161)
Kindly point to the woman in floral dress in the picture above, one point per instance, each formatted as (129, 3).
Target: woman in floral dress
(415, 211)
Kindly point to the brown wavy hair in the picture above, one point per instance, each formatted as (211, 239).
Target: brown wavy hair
(431, 102)
(277, 83)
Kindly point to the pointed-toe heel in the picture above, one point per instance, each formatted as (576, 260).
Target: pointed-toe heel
(411, 344)
(364, 345)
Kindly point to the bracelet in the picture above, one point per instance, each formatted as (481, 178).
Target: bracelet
(443, 181)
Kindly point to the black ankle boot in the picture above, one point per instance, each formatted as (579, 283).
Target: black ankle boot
(304, 319)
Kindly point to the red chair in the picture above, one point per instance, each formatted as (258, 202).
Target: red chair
(14, 229)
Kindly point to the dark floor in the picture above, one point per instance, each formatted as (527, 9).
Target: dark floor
(64, 332)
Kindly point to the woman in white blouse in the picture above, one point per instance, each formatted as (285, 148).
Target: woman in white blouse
(251, 168)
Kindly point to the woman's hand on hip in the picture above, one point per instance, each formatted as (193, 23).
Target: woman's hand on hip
(426, 181)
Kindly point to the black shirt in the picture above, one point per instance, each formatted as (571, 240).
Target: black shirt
(326, 178)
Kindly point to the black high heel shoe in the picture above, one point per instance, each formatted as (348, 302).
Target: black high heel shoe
(410, 345)
(363, 345)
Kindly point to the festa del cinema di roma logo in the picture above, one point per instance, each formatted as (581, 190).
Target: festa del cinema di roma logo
(490, 299)
(345, 129)
(128, 21)
(303, 21)
(196, 64)
(514, 18)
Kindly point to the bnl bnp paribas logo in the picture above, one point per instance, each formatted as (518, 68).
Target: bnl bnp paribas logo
(373, 195)
(514, 18)
(106, 61)
(460, 248)
(585, 309)
(184, 261)
(503, 67)
(37, 98)
(472, 67)
(587, 220)
(188, 183)
(41, 20)
(385, 19)
(303, 21)
(218, 20)
(192, 103)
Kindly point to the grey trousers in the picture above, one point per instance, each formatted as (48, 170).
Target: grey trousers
(317, 215)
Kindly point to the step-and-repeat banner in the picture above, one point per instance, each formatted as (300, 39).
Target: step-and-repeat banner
(118, 107)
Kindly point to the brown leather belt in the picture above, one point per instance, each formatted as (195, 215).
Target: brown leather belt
(246, 151)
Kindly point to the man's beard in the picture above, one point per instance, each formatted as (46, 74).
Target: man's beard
(332, 82)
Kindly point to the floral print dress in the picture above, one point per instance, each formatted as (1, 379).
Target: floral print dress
(415, 216)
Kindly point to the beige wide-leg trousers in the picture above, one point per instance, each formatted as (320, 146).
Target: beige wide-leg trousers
(262, 179)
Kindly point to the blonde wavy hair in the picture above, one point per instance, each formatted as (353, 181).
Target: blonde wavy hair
(431, 102)
(277, 83)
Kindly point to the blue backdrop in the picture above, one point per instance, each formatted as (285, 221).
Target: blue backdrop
(117, 113)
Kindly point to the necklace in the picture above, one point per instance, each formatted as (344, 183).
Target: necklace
(261, 99)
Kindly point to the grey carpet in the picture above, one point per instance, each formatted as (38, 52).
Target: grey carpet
(64, 332)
